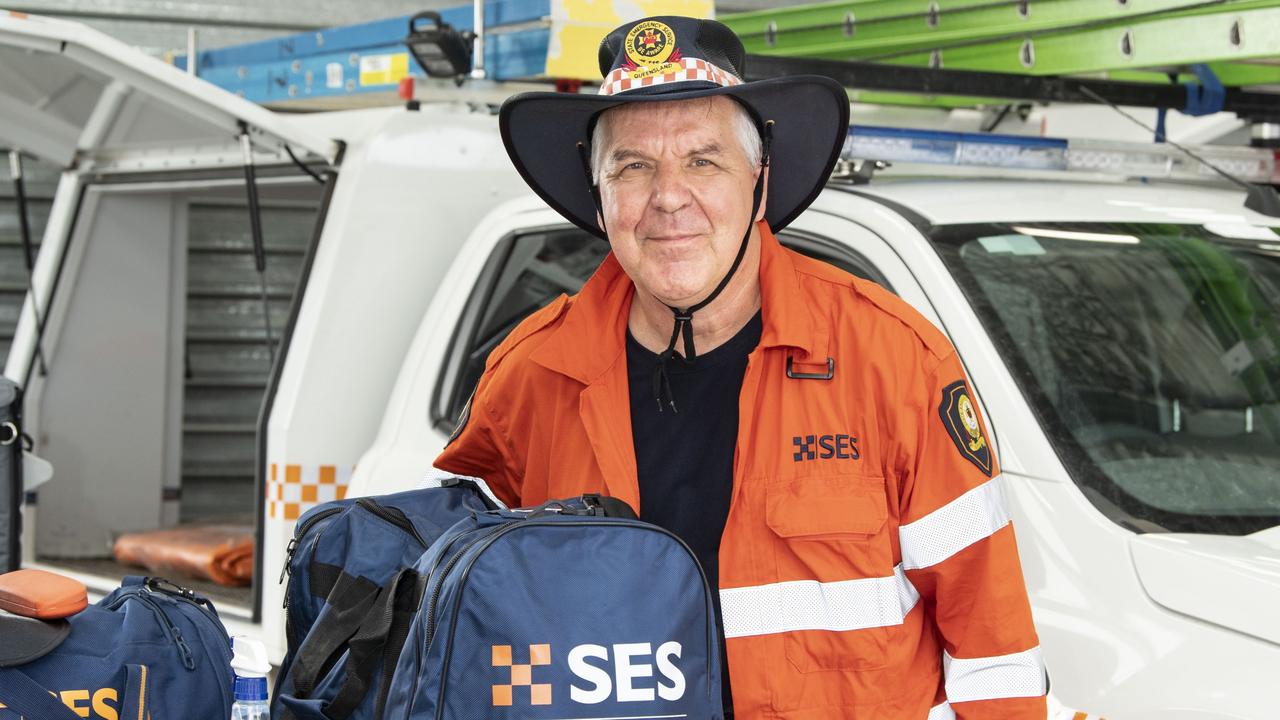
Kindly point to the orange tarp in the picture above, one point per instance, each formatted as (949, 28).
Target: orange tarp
(221, 553)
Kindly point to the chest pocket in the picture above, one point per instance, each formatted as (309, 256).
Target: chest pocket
(835, 562)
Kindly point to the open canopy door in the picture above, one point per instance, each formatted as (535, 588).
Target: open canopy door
(76, 97)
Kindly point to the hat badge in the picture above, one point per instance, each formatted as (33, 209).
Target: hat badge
(651, 49)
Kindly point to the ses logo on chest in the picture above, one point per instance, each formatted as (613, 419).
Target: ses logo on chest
(825, 447)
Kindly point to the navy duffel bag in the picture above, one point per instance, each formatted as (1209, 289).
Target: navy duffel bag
(150, 649)
(341, 603)
(558, 612)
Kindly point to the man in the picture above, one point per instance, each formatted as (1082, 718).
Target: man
(808, 434)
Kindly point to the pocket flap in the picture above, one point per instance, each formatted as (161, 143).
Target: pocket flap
(835, 505)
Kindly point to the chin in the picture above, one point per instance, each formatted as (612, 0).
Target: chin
(673, 283)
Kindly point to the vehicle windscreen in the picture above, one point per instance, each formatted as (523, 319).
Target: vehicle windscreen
(1150, 354)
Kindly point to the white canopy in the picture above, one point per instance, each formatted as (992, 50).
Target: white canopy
(72, 95)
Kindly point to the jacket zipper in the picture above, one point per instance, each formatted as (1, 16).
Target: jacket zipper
(393, 516)
(490, 539)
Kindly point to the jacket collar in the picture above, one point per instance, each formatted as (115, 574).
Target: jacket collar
(592, 338)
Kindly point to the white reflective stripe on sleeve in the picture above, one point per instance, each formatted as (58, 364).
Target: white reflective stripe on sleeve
(813, 605)
(991, 678)
(942, 712)
(973, 516)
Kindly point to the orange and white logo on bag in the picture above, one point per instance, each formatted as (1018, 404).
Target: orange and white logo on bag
(521, 676)
(622, 673)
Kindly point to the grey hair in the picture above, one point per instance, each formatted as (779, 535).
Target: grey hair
(744, 128)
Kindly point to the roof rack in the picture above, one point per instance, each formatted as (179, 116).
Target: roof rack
(1115, 39)
(1260, 107)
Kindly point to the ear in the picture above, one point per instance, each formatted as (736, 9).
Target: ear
(764, 194)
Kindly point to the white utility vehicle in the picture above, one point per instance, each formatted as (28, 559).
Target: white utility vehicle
(1124, 337)
(1125, 340)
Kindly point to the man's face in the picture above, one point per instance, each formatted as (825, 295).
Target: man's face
(676, 189)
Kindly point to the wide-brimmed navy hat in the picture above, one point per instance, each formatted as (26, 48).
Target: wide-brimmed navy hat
(665, 58)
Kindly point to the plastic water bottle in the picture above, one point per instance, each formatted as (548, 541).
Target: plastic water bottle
(251, 699)
(251, 668)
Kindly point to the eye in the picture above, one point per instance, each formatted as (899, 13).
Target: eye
(703, 162)
(631, 168)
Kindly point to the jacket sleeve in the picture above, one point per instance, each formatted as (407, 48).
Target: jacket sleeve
(480, 446)
(958, 550)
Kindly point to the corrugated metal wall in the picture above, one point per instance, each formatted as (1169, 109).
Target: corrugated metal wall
(227, 359)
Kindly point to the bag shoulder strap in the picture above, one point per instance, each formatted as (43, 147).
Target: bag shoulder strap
(22, 695)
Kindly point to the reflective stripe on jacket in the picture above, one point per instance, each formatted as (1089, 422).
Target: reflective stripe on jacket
(868, 567)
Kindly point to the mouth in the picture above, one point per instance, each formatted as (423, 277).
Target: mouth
(672, 238)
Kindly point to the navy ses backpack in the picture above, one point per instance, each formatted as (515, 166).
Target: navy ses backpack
(340, 603)
(557, 612)
(150, 649)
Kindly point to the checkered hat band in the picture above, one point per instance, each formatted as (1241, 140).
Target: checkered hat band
(687, 69)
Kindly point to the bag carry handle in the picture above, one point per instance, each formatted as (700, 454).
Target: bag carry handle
(596, 505)
(368, 646)
(22, 695)
(349, 604)
(611, 507)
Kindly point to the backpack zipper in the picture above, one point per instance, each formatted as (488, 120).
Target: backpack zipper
(489, 540)
(394, 516)
(297, 537)
(171, 631)
(444, 573)
(202, 604)
(419, 649)
(156, 585)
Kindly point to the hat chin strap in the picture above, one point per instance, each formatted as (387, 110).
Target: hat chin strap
(683, 327)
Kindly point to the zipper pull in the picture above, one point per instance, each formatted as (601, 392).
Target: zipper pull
(288, 559)
(188, 661)
(160, 585)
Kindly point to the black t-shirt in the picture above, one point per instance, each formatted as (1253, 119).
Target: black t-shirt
(684, 459)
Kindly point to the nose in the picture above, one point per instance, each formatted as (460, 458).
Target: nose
(670, 189)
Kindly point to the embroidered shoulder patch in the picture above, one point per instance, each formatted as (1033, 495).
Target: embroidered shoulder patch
(960, 417)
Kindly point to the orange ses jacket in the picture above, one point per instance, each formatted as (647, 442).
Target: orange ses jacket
(868, 566)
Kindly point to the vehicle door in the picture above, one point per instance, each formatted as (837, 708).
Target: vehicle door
(139, 378)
